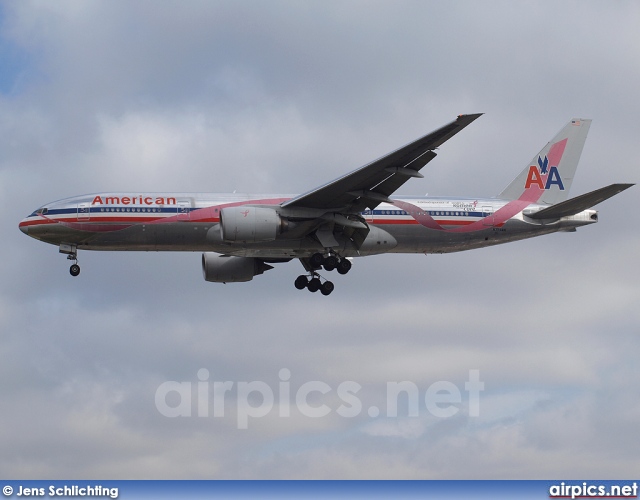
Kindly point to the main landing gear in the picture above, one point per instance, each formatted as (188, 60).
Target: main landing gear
(313, 282)
(329, 263)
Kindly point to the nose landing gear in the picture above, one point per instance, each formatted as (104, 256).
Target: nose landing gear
(72, 254)
(74, 270)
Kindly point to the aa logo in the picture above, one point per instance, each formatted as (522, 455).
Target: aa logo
(543, 176)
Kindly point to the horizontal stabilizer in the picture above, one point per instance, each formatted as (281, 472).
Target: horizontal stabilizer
(580, 203)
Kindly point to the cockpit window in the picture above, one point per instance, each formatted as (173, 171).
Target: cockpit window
(42, 211)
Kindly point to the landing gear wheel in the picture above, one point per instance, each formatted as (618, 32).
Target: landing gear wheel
(330, 263)
(316, 260)
(314, 285)
(344, 266)
(301, 282)
(326, 288)
(74, 270)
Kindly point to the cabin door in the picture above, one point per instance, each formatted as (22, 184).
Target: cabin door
(84, 211)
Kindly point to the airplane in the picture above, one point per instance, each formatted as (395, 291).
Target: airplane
(355, 215)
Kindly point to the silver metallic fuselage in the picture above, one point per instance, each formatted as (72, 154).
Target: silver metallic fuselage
(191, 222)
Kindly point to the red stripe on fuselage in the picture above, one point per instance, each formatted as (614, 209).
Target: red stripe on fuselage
(37, 222)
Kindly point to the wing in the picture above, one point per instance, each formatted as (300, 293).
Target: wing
(374, 183)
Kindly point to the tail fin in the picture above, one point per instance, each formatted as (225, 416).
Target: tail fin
(548, 177)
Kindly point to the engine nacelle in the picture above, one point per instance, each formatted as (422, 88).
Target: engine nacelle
(228, 269)
(250, 224)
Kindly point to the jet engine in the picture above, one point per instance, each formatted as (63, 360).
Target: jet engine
(229, 269)
(250, 224)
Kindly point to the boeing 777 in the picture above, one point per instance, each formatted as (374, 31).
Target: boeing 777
(352, 216)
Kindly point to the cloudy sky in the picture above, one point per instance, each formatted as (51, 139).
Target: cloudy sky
(281, 97)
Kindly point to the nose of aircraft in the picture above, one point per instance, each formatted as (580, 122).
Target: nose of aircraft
(23, 227)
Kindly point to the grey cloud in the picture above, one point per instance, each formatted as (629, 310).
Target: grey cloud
(283, 97)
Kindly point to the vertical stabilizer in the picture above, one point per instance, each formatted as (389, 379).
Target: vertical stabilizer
(548, 177)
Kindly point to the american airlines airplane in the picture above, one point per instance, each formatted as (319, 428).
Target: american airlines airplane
(352, 216)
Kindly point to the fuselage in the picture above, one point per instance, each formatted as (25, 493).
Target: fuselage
(191, 222)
